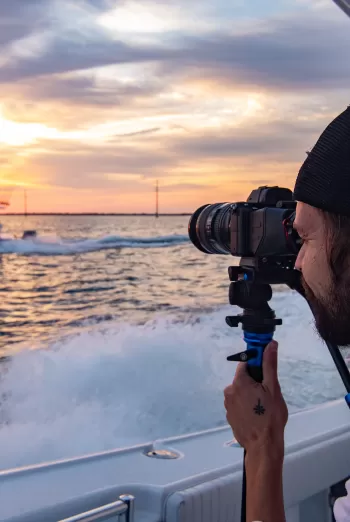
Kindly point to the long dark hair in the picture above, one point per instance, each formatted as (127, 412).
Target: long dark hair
(338, 243)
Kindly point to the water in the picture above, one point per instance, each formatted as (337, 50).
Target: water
(83, 270)
(126, 342)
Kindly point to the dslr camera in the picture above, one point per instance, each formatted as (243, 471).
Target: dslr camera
(259, 231)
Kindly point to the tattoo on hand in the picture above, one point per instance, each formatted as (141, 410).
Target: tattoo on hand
(259, 408)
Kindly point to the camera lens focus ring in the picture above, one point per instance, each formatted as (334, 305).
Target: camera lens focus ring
(221, 228)
(209, 228)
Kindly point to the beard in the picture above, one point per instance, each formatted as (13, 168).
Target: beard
(331, 312)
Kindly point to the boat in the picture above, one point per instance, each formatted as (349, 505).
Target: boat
(29, 234)
(191, 478)
(5, 197)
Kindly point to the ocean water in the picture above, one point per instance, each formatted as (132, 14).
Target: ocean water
(113, 333)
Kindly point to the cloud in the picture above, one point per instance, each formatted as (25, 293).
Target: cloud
(286, 56)
(70, 164)
(65, 56)
(274, 141)
(21, 18)
(181, 187)
(4, 159)
(71, 102)
(15, 8)
(13, 31)
(139, 133)
(289, 53)
(231, 102)
(102, 5)
(86, 90)
(73, 40)
(95, 167)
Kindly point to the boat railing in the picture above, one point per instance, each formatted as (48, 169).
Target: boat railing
(124, 509)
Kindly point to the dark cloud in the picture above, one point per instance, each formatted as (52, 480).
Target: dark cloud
(22, 18)
(291, 53)
(10, 32)
(103, 4)
(65, 55)
(286, 53)
(87, 91)
(15, 8)
(84, 47)
(276, 141)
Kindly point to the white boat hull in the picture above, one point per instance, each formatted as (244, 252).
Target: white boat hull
(202, 485)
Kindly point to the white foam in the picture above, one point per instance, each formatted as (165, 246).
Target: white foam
(54, 246)
(128, 384)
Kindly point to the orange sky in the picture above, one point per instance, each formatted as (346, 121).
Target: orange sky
(99, 99)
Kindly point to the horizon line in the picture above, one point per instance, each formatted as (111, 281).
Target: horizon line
(95, 214)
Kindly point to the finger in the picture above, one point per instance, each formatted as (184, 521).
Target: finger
(241, 372)
(228, 392)
(270, 365)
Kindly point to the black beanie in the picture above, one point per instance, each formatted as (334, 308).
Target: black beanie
(324, 178)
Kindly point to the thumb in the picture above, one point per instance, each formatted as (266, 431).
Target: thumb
(270, 364)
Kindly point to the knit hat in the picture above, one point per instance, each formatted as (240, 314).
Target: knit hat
(324, 178)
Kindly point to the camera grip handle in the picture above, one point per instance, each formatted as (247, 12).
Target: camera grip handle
(258, 342)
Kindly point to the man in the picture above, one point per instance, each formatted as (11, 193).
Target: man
(322, 192)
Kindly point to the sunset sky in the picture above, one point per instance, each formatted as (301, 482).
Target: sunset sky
(99, 98)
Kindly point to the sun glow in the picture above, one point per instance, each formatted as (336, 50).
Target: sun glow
(136, 18)
(16, 134)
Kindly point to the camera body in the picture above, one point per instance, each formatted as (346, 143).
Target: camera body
(259, 230)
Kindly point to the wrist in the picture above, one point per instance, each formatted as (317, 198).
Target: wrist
(264, 485)
(271, 455)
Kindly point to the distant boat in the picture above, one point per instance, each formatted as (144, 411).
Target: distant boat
(5, 197)
(27, 234)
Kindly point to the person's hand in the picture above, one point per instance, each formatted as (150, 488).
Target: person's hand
(257, 412)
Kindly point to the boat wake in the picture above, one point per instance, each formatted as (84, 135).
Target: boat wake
(127, 384)
(53, 246)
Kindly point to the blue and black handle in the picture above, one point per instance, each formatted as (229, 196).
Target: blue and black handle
(256, 344)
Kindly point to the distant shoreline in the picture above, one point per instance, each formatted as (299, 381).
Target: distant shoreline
(87, 214)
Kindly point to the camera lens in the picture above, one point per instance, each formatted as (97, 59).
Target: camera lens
(209, 228)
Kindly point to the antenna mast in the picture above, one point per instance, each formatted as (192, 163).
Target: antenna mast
(157, 199)
(25, 203)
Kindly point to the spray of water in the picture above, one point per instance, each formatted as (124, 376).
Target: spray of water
(51, 245)
(128, 384)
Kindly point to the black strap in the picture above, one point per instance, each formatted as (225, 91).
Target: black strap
(244, 492)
